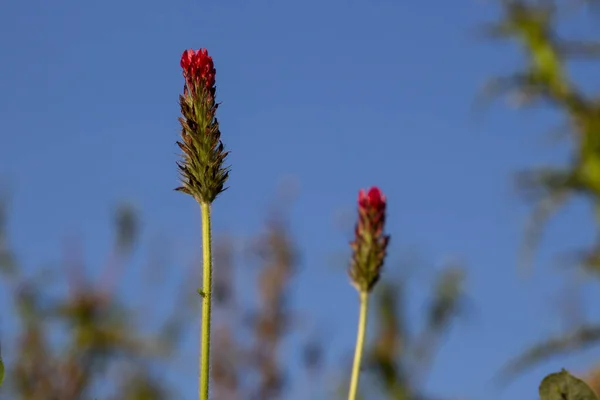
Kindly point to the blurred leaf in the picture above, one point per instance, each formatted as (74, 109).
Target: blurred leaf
(441, 312)
(564, 386)
(579, 49)
(524, 89)
(390, 340)
(448, 290)
(541, 183)
(8, 263)
(1, 371)
(312, 355)
(550, 189)
(535, 227)
(127, 227)
(576, 340)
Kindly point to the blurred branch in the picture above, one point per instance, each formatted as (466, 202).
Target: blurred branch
(278, 258)
(389, 346)
(443, 309)
(226, 352)
(580, 338)
(8, 263)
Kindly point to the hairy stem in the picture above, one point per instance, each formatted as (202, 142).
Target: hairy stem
(360, 344)
(206, 302)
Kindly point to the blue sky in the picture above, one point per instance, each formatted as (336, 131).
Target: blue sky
(339, 95)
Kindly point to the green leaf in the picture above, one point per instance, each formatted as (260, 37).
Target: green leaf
(1, 371)
(564, 386)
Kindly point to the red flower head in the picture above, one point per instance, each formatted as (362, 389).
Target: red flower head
(198, 69)
(370, 244)
(373, 201)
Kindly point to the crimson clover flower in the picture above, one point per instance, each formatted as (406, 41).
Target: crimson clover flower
(198, 69)
(202, 169)
(369, 246)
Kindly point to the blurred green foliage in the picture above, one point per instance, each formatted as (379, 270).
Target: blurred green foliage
(398, 358)
(65, 345)
(1, 371)
(547, 79)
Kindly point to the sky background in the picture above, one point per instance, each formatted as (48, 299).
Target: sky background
(337, 95)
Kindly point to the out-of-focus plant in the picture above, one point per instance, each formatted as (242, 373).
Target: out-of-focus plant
(272, 322)
(226, 350)
(399, 357)
(65, 345)
(247, 361)
(548, 79)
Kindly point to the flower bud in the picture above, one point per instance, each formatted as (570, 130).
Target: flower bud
(369, 246)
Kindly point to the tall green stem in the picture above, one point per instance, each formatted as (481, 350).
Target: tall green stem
(206, 302)
(360, 344)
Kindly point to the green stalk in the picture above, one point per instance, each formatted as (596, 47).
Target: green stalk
(360, 344)
(206, 302)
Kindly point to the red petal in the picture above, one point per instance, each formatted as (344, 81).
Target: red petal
(362, 198)
(376, 198)
(186, 59)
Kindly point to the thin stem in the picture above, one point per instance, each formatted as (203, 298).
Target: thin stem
(360, 344)
(206, 302)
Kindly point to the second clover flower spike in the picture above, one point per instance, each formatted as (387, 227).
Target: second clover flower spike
(368, 255)
(370, 243)
(202, 169)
